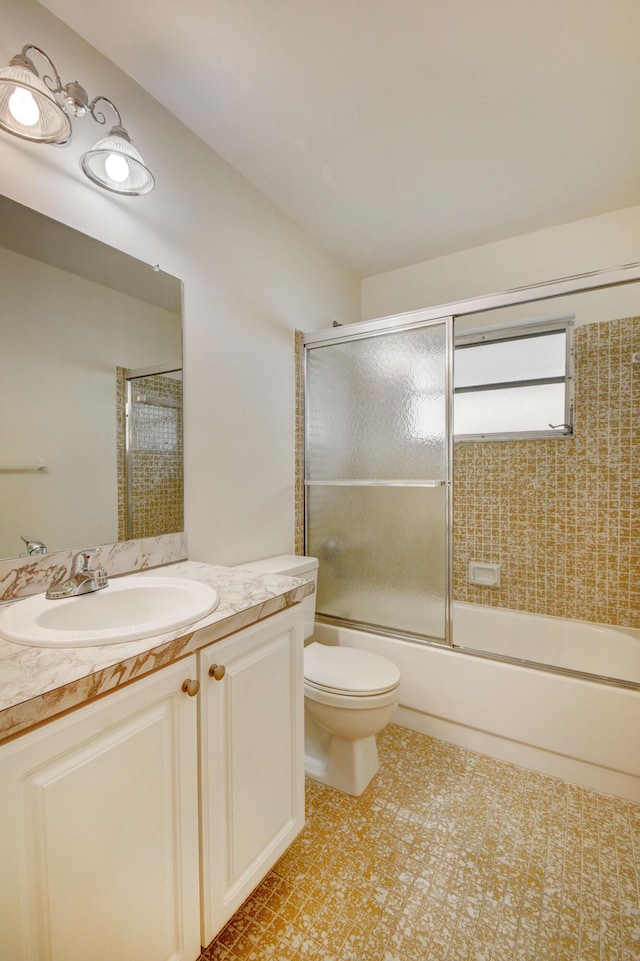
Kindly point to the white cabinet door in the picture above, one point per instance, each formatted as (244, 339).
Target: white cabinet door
(98, 830)
(252, 761)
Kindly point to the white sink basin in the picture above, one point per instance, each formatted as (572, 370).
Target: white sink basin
(128, 609)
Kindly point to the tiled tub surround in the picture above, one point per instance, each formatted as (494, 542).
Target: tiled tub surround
(37, 683)
(561, 516)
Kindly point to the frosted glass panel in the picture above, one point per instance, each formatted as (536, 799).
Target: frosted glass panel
(382, 554)
(376, 407)
(525, 358)
(511, 409)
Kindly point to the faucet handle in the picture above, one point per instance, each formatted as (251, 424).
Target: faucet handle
(84, 578)
(83, 559)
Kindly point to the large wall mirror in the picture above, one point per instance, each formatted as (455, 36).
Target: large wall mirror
(90, 390)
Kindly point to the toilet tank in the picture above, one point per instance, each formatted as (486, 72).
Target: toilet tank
(293, 566)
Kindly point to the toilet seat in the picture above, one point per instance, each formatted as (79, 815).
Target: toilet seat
(358, 703)
(348, 671)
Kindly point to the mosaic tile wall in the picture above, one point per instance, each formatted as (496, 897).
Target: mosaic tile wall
(559, 515)
(157, 488)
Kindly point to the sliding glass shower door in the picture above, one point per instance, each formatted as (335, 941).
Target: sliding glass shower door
(377, 451)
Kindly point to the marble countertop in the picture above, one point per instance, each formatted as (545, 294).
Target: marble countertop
(39, 683)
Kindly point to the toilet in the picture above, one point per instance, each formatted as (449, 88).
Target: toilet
(349, 695)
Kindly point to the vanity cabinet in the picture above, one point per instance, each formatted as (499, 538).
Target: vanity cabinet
(99, 829)
(132, 828)
(252, 759)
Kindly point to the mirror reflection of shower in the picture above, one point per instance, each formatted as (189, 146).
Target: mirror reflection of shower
(154, 449)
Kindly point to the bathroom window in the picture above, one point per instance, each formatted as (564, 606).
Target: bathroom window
(514, 381)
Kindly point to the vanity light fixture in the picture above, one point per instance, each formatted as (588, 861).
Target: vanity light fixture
(39, 110)
(114, 163)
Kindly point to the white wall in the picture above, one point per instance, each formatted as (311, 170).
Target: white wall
(250, 277)
(610, 240)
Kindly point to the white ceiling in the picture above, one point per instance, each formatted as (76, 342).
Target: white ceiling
(398, 130)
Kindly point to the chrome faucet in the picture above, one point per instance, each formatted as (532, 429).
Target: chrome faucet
(34, 546)
(84, 578)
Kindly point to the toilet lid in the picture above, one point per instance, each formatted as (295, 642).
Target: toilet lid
(348, 670)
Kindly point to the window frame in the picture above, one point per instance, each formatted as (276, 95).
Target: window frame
(520, 330)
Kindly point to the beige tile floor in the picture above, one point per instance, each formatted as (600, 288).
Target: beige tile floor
(449, 856)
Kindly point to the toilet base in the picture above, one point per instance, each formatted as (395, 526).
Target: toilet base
(346, 765)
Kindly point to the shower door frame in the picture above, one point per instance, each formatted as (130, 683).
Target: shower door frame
(450, 312)
(396, 325)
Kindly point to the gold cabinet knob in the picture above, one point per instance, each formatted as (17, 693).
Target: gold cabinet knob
(191, 687)
(217, 671)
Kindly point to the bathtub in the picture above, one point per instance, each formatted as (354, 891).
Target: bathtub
(608, 652)
(582, 730)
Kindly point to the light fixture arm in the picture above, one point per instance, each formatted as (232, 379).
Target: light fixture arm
(99, 117)
(72, 96)
(22, 60)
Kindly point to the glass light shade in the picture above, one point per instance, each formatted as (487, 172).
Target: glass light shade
(115, 164)
(29, 110)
